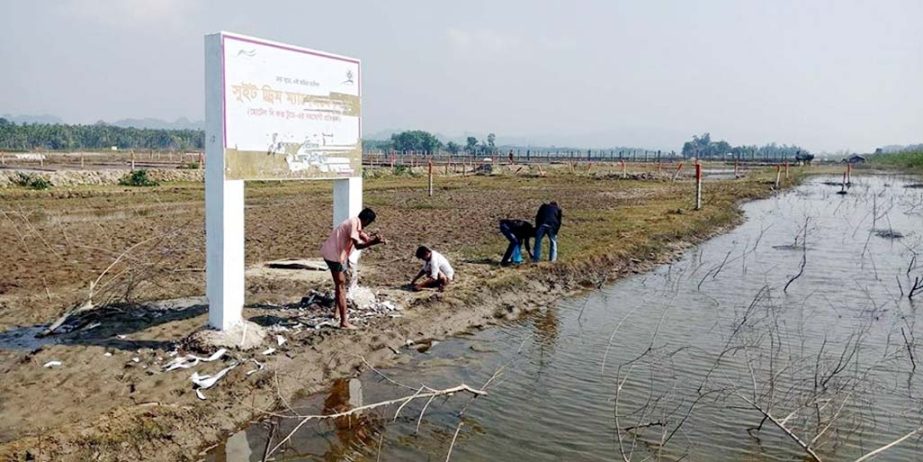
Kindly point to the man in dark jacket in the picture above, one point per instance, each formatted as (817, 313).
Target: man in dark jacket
(518, 232)
(547, 223)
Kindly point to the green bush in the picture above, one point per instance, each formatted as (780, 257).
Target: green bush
(137, 178)
(403, 170)
(31, 181)
(902, 160)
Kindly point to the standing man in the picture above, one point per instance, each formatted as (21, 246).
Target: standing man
(547, 222)
(436, 268)
(347, 236)
(518, 232)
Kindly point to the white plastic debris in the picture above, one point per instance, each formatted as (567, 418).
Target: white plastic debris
(280, 340)
(206, 381)
(259, 367)
(122, 337)
(199, 394)
(185, 362)
(136, 359)
(107, 354)
(268, 351)
(51, 364)
(92, 326)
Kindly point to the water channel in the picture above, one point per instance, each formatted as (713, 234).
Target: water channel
(682, 362)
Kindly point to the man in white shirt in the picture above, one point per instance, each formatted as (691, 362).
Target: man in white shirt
(436, 269)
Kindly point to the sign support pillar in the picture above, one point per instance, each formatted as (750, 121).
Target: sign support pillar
(347, 202)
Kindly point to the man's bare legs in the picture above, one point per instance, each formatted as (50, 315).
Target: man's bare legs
(339, 296)
(429, 283)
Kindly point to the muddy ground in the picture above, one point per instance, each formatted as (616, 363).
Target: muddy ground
(122, 247)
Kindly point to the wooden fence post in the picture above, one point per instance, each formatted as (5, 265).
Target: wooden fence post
(431, 178)
(698, 186)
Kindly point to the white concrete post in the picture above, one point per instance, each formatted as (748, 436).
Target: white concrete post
(224, 207)
(347, 198)
(347, 202)
(698, 185)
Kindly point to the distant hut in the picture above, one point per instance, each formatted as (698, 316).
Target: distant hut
(854, 159)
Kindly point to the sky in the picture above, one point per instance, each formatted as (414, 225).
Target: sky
(825, 75)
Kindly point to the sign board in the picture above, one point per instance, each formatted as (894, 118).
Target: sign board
(289, 112)
(272, 112)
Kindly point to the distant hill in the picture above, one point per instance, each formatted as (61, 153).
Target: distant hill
(148, 122)
(899, 148)
(33, 119)
(158, 124)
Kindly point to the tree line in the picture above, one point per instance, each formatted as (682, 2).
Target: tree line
(703, 147)
(66, 137)
(425, 142)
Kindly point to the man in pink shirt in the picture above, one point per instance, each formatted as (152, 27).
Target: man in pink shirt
(347, 236)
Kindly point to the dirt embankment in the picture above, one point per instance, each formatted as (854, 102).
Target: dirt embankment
(11, 178)
(123, 407)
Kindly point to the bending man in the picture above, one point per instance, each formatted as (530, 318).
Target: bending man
(347, 236)
(518, 232)
(547, 223)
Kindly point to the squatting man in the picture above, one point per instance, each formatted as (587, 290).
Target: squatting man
(436, 269)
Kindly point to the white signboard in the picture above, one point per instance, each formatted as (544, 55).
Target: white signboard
(272, 112)
(289, 112)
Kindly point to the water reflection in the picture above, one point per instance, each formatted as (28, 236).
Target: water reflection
(354, 430)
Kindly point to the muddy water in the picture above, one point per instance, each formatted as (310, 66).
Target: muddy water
(692, 344)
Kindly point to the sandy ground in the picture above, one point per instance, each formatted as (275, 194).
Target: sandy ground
(110, 399)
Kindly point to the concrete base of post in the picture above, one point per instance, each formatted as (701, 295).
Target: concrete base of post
(244, 335)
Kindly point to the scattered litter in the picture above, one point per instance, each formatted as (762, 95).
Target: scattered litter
(280, 340)
(206, 381)
(136, 359)
(51, 364)
(268, 351)
(324, 323)
(185, 362)
(364, 305)
(107, 354)
(199, 394)
(243, 337)
(173, 353)
(259, 367)
(92, 326)
(888, 234)
(122, 337)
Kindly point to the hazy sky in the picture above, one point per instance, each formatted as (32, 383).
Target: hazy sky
(827, 75)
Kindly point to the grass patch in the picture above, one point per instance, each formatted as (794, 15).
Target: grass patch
(912, 160)
(31, 181)
(137, 178)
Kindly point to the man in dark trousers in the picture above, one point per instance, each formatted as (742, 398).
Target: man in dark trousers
(518, 232)
(547, 223)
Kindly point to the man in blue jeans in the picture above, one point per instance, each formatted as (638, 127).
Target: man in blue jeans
(547, 223)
